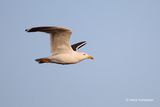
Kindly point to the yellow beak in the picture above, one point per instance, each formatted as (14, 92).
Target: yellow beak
(90, 57)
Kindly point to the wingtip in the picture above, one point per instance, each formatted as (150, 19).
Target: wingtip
(34, 29)
(84, 42)
(27, 30)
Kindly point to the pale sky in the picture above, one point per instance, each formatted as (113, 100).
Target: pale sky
(122, 35)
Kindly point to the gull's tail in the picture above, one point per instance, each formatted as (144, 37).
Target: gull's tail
(43, 60)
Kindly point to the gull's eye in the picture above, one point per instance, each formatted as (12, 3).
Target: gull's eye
(84, 54)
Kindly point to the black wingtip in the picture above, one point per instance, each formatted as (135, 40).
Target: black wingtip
(36, 29)
(28, 30)
(83, 42)
(78, 45)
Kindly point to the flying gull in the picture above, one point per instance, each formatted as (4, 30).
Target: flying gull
(62, 51)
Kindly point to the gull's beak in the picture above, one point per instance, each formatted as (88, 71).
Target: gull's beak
(90, 57)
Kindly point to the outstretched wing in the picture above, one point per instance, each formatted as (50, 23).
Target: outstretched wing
(78, 45)
(60, 38)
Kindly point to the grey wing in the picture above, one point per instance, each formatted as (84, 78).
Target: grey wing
(78, 45)
(60, 38)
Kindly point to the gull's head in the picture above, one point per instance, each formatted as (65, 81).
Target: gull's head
(85, 56)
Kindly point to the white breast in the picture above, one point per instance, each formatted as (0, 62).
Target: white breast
(66, 58)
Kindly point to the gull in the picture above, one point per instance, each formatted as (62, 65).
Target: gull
(61, 50)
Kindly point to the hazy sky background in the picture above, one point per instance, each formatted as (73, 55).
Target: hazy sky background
(122, 35)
